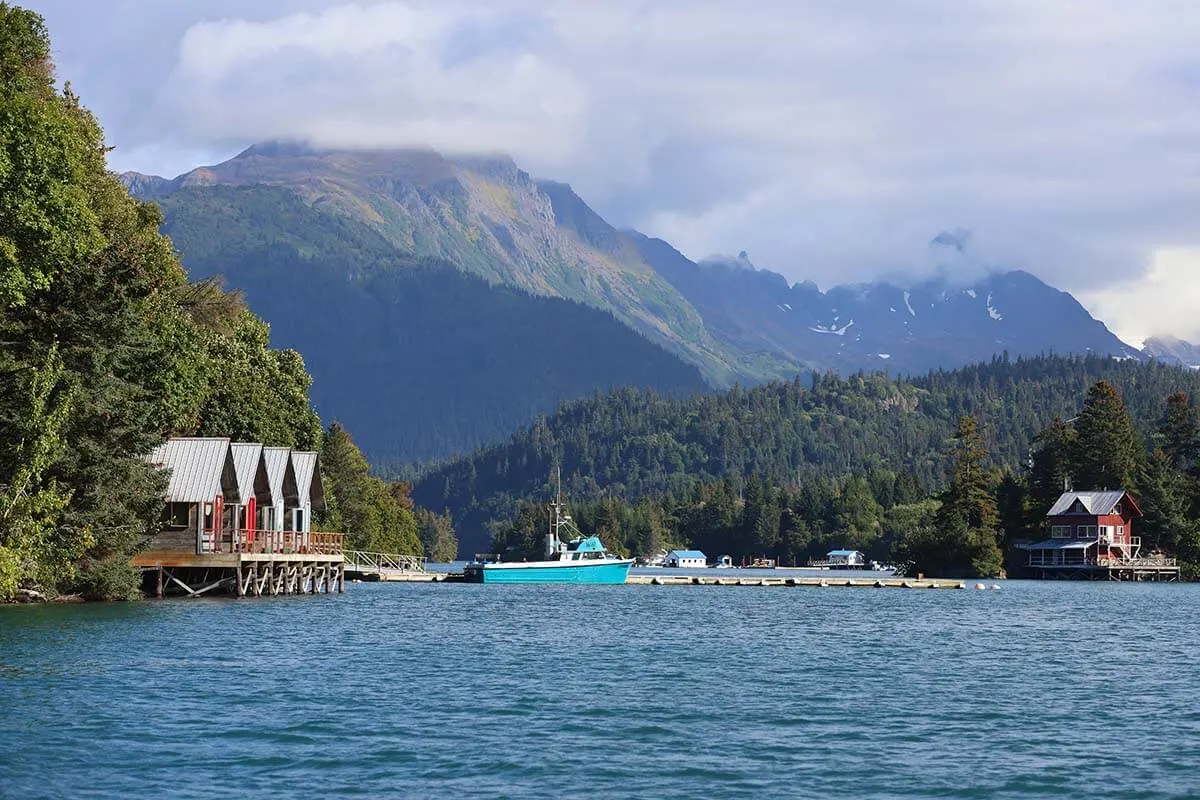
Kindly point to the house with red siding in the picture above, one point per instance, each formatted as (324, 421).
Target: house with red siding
(1092, 536)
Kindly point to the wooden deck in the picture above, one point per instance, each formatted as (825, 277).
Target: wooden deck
(252, 574)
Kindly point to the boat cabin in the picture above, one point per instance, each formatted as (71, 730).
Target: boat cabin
(1089, 529)
(587, 549)
(686, 559)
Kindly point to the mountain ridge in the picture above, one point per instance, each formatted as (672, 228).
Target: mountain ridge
(491, 218)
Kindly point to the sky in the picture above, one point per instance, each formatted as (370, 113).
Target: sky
(830, 140)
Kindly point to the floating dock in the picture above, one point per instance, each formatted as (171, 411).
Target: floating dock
(705, 580)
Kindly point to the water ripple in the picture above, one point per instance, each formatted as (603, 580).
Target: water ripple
(1038, 690)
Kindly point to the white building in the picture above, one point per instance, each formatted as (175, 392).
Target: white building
(686, 559)
(845, 558)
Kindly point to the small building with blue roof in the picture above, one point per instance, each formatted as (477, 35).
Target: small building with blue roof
(685, 559)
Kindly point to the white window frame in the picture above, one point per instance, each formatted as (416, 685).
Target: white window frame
(1060, 531)
(1086, 532)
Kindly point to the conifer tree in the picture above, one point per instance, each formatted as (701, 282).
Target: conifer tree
(1106, 445)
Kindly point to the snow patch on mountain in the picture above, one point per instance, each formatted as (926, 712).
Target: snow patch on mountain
(992, 312)
(835, 331)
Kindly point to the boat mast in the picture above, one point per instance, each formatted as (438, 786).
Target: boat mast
(555, 508)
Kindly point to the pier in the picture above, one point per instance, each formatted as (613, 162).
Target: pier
(718, 580)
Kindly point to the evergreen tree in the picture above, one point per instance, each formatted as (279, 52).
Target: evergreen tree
(1050, 467)
(966, 523)
(1106, 445)
(1179, 432)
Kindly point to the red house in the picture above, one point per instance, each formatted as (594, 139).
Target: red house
(1087, 530)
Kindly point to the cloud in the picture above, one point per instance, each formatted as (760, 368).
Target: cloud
(833, 140)
(1162, 301)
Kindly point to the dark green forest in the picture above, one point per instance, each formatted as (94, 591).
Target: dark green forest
(854, 461)
(418, 358)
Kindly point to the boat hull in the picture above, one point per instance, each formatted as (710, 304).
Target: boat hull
(607, 572)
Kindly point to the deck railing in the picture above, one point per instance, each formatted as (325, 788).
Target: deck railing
(362, 561)
(281, 542)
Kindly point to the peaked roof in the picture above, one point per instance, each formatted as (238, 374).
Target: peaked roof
(281, 477)
(686, 554)
(309, 487)
(201, 468)
(248, 464)
(1096, 503)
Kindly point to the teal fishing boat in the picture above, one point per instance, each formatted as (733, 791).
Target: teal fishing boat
(583, 559)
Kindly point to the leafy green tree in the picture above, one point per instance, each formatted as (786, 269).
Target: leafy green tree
(436, 532)
(363, 506)
(1106, 445)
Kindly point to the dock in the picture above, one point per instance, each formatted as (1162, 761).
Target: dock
(724, 580)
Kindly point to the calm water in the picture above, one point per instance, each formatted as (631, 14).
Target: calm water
(1036, 690)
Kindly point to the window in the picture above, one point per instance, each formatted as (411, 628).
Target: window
(177, 515)
(1117, 509)
(1086, 532)
(1061, 531)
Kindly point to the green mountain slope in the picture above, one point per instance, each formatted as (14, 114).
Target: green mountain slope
(417, 358)
(634, 444)
(489, 218)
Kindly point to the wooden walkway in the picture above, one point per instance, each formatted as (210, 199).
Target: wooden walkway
(364, 566)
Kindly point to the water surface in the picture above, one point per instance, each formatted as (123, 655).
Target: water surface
(1036, 690)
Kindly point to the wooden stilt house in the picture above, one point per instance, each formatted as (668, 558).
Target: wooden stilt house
(239, 516)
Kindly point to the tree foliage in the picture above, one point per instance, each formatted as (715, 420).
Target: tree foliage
(105, 347)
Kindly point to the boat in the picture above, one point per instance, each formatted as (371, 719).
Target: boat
(583, 559)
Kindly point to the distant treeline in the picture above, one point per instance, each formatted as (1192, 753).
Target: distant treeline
(859, 461)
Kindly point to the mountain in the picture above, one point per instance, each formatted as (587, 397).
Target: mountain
(360, 215)
(903, 329)
(634, 445)
(488, 218)
(417, 358)
(1172, 350)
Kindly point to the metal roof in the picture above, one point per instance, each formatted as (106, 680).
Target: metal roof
(201, 468)
(686, 554)
(281, 477)
(843, 553)
(309, 487)
(247, 462)
(1094, 502)
(1061, 544)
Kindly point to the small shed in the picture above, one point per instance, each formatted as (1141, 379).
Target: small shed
(845, 558)
(686, 559)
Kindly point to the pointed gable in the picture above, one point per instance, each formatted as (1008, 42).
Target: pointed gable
(201, 468)
(1097, 504)
(251, 471)
(309, 486)
(281, 477)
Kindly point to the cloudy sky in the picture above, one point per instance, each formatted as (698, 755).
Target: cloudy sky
(832, 140)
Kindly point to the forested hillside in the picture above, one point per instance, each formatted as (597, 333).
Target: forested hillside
(633, 445)
(418, 358)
